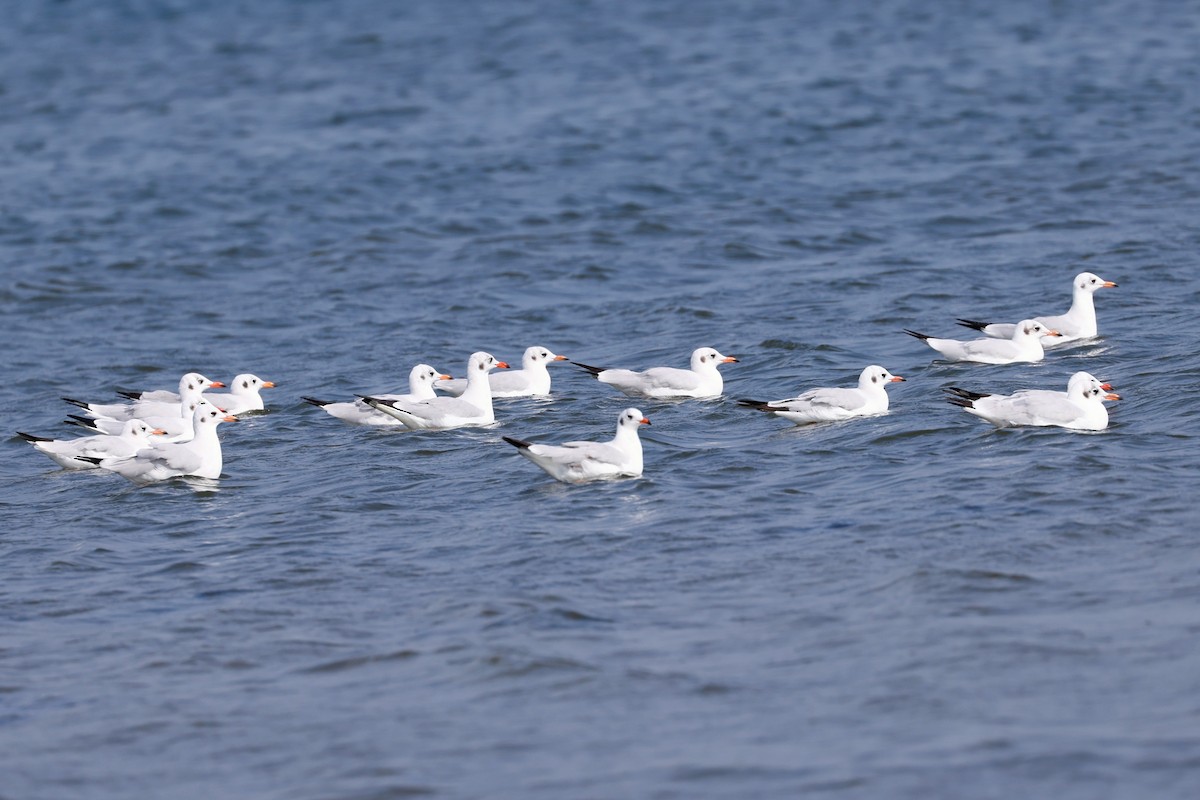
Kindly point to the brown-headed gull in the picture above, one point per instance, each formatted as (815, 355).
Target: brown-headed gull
(191, 385)
(577, 462)
(69, 453)
(1024, 346)
(243, 395)
(834, 404)
(1078, 323)
(176, 429)
(531, 380)
(199, 458)
(1081, 407)
(473, 408)
(190, 380)
(421, 380)
(702, 380)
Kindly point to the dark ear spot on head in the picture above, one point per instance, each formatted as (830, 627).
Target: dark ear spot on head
(482, 366)
(245, 384)
(874, 379)
(703, 359)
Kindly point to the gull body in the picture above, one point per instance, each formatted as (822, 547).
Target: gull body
(531, 380)
(1024, 346)
(175, 430)
(578, 462)
(1078, 323)
(421, 380)
(200, 457)
(243, 395)
(191, 385)
(1081, 407)
(701, 379)
(829, 404)
(70, 453)
(472, 409)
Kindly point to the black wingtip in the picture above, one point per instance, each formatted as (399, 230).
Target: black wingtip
(373, 401)
(594, 370)
(75, 402)
(130, 395)
(964, 394)
(972, 323)
(90, 459)
(83, 422)
(921, 336)
(760, 405)
(961, 402)
(29, 437)
(520, 444)
(314, 401)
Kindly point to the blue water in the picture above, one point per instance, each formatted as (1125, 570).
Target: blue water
(325, 194)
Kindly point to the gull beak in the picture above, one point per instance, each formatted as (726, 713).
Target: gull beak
(158, 431)
(643, 421)
(445, 378)
(1109, 285)
(1112, 396)
(501, 365)
(217, 385)
(1106, 387)
(230, 418)
(1051, 333)
(268, 384)
(728, 360)
(560, 358)
(895, 379)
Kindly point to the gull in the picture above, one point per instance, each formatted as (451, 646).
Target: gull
(531, 380)
(1078, 323)
(243, 395)
(701, 380)
(1081, 407)
(176, 430)
(473, 408)
(200, 457)
(577, 462)
(1025, 345)
(421, 379)
(191, 380)
(69, 453)
(190, 385)
(834, 404)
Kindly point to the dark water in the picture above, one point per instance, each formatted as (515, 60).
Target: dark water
(326, 193)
